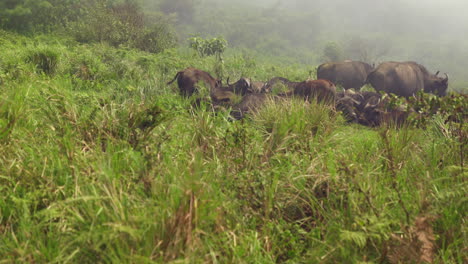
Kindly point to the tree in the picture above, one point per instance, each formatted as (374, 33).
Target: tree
(123, 24)
(22, 15)
(41, 15)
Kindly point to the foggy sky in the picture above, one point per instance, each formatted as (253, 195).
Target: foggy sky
(431, 32)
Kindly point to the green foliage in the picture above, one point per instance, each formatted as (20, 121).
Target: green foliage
(156, 38)
(208, 47)
(44, 59)
(268, 29)
(114, 22)
(101, 162)
(24, 15)
(123, 24)
(452, 107)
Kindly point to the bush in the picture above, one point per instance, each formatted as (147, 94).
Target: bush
(39, 15)
(208, 47)
(44, 59)
(156, 38)
(123, 25)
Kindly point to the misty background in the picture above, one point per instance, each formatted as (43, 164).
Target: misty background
(430, 32)
(310, 32)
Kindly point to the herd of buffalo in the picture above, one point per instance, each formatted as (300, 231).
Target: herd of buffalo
(403, 79)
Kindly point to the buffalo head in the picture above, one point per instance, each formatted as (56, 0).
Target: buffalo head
(242, 86)
(437, 85)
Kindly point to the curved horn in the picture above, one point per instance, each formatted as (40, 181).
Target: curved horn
(228, 81)
(247, 81)
(446, 77)
(437, 73)
(370, 105)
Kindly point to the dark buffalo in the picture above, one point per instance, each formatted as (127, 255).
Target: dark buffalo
(349, 74)
(279, 80)
(241, 87)
(225, 94)
(348, 102)
(245, 85)
(222, 96)
(379, 111)
(406, 79)
(250, 103)
(258, 87)
(322, 90)
(370, 109)
(188, 78)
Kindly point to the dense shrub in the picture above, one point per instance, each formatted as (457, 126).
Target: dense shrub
(44, 59)
(208, 47)
(123, 25)
(102, 162)
(40, 15)
(156, 38)
(110, 21)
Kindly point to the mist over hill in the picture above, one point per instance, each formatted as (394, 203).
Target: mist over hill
(429, 32)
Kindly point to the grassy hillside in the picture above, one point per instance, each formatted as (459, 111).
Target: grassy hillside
(102, 162)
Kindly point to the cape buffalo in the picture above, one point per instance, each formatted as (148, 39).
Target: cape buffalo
(249, 103)
(222, 96)
(349, 74)
(188, 78)
(258, 87)
(323, 90)
(348, 102)
(379, 111)
(242, 86)
(252, 103)
(370, 108)
(406, 79)
(279, 80)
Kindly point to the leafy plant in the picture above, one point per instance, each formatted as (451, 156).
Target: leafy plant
(208, 47)
(44, 59)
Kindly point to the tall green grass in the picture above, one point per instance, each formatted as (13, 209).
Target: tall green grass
(101, 162)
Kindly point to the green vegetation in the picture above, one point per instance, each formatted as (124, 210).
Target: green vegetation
(102, 162)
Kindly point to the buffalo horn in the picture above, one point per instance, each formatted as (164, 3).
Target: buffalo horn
(355, 102)
(446, 77)
(437, 73)
(228, 81)
(369, 105)
(247, 80)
